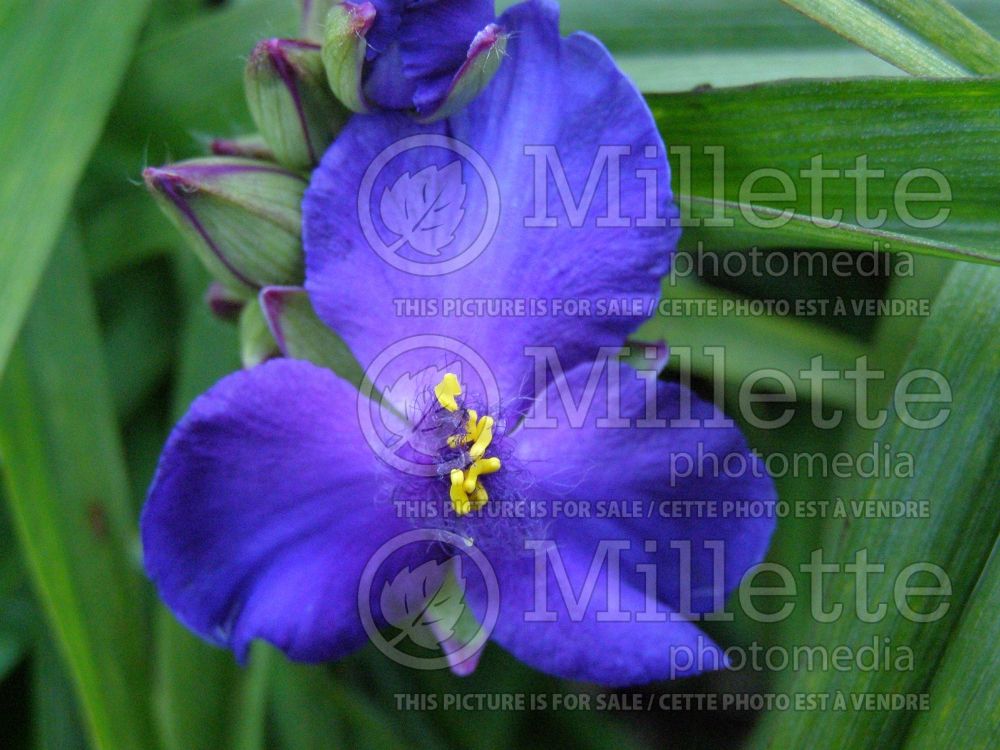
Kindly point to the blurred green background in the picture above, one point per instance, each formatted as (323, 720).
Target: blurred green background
(105, 339)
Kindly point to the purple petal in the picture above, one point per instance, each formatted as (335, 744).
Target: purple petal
(696, 485)
(263, 513)
(576, 641)
(388, 17)
(434, 42)
(435, 36)
(419, 46)
(385, 86)
(562, 93)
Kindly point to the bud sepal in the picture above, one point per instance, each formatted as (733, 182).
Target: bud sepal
(243, 218)
(344, 51)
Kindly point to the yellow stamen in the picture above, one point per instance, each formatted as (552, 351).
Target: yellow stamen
(471, 428)
(466, 491)
(446, 391)
(470, 431)
(483, 438)
(459, 497)
(479, 497)
(480, 468)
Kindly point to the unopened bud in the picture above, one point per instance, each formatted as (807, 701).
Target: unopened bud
(344, 50)
(300, 333)
(246, 146)
(485, 55)
(242, 217)
(313, 18)
(256, 342)
(291, 102)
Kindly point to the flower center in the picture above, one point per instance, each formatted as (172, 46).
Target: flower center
(467, 492)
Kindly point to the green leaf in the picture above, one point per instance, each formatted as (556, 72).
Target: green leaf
(127, 231)
(956, 469)
(251, 711)
(188, 78)
(865, 27)
(803, 232)
(677, 46)
(304, 712)
(140, 339)
(69, 497)
(56, 712)
(195, 684)
(751, 342)
(965, 694)
(720, 42)
(947, 28)
(62, 64)
(949, 130)
(18, 618)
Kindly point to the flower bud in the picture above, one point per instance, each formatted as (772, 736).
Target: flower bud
(242, 217)
(247, 146)
(313, 18)
(223, 303)
(256, 342)
(291, 102)
(485, 55)
(300, 333)
(344, 50)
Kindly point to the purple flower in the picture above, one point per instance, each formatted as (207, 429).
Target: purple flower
(429, 56)
(282, 482)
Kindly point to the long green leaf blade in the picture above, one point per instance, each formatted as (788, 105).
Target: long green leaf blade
(69, 496)
(965, 694)
(879, 141)
(857, 22)
(956, 470)
(947, 28)
(62, 63)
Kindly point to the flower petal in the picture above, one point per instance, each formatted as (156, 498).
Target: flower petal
(434, 43)
(377, 280)
(679, 485)
(570, 634)
(263, 513)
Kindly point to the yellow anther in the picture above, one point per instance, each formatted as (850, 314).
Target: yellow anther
(470, 431)
(446, 391)
(484, 437)
(480, 468)
(479, 497)
(466, 491)
(471, 426)
(459, 498)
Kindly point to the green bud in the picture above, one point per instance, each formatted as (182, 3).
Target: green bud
(256, 342)
(485, 55)
(224, 304)
(291, 102)
(313, 18)
(300, 333)
(247, 146)
(242, 217)
(344, 49)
